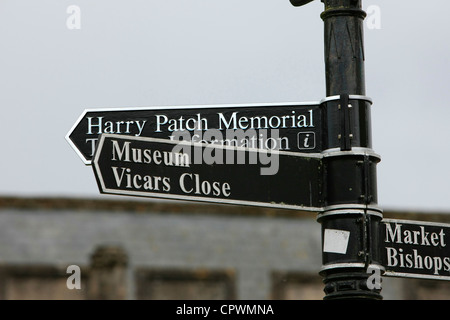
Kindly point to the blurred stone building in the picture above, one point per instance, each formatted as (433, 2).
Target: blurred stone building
(134, 249)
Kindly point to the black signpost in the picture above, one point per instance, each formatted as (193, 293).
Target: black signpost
(356, 239)
(351, 212)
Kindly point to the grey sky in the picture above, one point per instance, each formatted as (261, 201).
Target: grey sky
(139, 53)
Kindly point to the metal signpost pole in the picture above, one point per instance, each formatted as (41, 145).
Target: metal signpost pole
(351, 218)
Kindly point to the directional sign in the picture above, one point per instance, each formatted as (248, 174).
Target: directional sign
(416, 249)
(150, 167)
(298, 125)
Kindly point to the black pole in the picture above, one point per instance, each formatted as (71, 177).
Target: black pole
(351, 218)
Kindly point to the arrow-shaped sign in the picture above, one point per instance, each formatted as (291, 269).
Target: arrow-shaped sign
(149, 167)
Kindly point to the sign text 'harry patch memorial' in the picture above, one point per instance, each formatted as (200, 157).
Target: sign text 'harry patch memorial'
(298, 125)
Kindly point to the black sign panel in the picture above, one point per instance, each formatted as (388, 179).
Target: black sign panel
(150, 167)
(416, 249)
(298, 125)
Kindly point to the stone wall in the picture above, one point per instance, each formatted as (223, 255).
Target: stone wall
(160, 250)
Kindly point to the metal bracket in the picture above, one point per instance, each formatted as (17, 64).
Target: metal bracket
(367, 195)
(345, 122)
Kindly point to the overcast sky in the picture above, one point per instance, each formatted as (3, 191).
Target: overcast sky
(138, 53)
